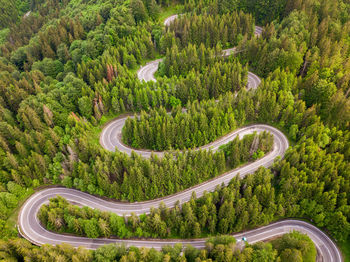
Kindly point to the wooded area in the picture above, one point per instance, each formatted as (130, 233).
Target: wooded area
(290, 247)
(199, 125)
(69, 65)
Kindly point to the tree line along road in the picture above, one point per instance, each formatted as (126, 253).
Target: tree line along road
(30, 227)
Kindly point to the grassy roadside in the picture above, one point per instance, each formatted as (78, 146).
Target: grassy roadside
(168, 11)
(11, 222)
(144, 62)
(345, 248)
(95, 131)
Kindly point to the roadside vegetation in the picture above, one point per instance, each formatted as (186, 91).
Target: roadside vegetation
(174, 172)
(290, 247)
(68, 65)
(201, 124)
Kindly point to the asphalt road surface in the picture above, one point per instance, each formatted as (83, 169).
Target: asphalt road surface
(110, 139)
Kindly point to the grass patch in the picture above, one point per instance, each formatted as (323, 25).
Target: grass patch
(168, 11)
(345, 248)
(10, 229)
(95, 131)
(3, 35)
(144, 62)
(10, 226)
(12, 220)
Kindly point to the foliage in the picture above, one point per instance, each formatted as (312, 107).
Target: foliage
(137, 179)
(210, 30)
(69, 63)
(217, 249)
(198, 126)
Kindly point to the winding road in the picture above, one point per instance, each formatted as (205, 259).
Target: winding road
(146, 72)
(30, 227)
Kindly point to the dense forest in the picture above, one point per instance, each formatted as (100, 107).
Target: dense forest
(227, 29)
(199, 125)
(212, 76)
(68, 66)
(157, 177)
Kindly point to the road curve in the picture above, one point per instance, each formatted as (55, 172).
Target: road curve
(111, 138)
(30, 228)
(170, 19)
(146, 72)
(258, 30)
